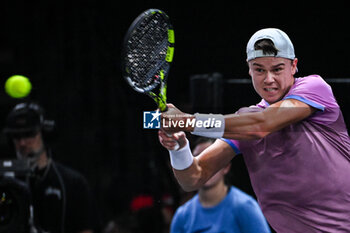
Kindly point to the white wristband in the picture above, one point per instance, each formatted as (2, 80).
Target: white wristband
(209, 125)
(181, 159)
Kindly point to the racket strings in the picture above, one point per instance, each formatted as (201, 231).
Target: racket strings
(146, 51)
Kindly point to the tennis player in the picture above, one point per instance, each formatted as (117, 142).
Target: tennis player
(294, 142)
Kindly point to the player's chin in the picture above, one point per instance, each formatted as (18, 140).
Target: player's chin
(271, 98)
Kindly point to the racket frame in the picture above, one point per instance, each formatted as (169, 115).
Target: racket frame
(159, 98)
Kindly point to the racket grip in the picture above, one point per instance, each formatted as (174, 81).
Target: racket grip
(177, 146)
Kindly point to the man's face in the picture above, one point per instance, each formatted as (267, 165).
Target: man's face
(28, 144)
(272, 76)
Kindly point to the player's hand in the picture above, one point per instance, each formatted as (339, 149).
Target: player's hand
(174, 120)
(169, 141)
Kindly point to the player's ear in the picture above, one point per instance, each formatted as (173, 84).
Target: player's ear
(249, 70)
(294, 66)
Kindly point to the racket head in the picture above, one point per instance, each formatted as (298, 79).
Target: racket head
(148, 50)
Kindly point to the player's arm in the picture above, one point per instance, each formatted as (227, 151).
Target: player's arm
(192, 172)
(252, 125)
(260, 124)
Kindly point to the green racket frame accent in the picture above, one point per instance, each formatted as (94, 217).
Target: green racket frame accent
(159, 98)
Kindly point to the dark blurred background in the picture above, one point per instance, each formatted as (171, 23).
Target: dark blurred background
(70, 50)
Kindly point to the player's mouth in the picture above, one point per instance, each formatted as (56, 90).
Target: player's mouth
(271, 90)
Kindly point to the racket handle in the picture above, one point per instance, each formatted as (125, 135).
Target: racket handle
(177, 146)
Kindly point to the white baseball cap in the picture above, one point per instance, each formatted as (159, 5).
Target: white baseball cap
(279, 38)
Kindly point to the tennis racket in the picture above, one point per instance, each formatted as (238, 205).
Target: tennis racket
(148, 51)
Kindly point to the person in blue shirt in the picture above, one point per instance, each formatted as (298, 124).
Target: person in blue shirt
(218, 207)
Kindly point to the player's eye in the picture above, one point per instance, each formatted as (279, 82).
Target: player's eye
(278, 69)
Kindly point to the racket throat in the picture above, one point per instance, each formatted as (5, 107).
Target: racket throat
(160, 100)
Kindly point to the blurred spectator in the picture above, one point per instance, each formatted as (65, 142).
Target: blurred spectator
(61, 197)
(218, 207)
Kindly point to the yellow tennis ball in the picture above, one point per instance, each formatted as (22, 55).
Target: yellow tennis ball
(18, 86)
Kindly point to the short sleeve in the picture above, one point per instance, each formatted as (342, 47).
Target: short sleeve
(315, 92)
(234, 144)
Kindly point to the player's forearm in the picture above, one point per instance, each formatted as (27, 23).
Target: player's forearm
(186, 167)
(247, 126)
(239, 127)
(190, 179)
(260, 124)
(205, 165)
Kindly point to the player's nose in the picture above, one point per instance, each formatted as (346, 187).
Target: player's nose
(269, 78)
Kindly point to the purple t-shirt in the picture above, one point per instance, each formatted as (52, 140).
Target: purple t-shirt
(301, 173)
